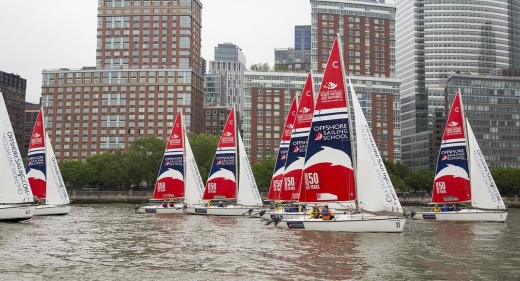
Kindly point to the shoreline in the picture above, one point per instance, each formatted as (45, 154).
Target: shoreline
(132, 196)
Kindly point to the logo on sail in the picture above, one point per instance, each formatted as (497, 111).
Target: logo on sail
(36, 139)
(319, 136)
(330, 86)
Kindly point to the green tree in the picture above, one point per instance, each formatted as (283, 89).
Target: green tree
(420, 180)
(204, 147)
(145, 156)
(108, 169)
(77, 173)
(507, 180)
(263, 172)
(260, 67)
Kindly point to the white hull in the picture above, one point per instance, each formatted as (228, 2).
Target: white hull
(230, 210)
(160, 210)
(463, 215)
(51, 210)
(270, 215)
(16, 212)
(347, 223)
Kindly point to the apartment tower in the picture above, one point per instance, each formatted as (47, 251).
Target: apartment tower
(13, 89)
(148, 67)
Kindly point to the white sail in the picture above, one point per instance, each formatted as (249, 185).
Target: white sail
(484, 192)
(375, 191)
(14, 186)
(247, 190)
(56, 190)
(194, 188)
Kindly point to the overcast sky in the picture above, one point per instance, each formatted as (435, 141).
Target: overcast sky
(49, 34)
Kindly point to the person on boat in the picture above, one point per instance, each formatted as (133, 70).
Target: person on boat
(302, 208)
(277, 206)
(172, 204)
(315, 213)
(270, 206)
(208, 204)
(445, 208)
(436, 208)
(164, 204)
(220, 204)
(326, 213)
(455, 207)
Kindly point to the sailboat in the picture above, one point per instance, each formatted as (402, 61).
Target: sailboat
(460, 154)
(222, 183)
(289, 190)
(44, 175)
(16, 198)
(331, 174)
(178, 183)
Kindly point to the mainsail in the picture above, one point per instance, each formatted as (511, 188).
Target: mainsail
(222, 180)
(452, 182)
(328, 174)
(298, 145)
(170, 181)
(279, 167)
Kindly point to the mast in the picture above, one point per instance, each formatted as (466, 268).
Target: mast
(237, 181)
(468, 146)
(354, 164)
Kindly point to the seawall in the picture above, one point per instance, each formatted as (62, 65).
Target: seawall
(92, 196)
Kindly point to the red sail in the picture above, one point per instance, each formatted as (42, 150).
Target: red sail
(328, 174)
(452, 182)
(298, 145)
(36, 160)
(279, 167)
(222, 180)
(170, 181)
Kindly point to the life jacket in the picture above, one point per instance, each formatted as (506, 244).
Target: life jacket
(325, 211)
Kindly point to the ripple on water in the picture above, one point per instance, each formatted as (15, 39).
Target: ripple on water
(108, 242)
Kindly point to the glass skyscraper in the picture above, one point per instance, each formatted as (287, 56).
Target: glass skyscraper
(435, 38)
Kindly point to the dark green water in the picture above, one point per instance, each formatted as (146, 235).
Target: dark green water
(108, 242)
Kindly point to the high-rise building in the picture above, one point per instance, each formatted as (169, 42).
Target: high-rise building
(31, 114)
(435, 39)
(148, 66)
(13, 89)
(215, 90)
(231, 63)
(295, 59)
(492, 106)
(302, 37)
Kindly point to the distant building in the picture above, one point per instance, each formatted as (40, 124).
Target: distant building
(434, 40)
(215, 90)
(215, 119)
(148, 67)
(268, 97)
(492, 106)
(13, 89)
(297, 59)
(231, 63)
(31, 113)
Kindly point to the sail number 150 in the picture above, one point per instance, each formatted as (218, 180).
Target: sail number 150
(312, 181)
(212, 187)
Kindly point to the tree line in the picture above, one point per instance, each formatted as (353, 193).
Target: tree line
(140, 166)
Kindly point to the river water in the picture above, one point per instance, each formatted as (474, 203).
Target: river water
(109, 242)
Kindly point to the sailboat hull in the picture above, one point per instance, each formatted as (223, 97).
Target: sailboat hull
(16, 212)
(268, 216)
(346, 223)
(463, 215)
(52, 210)
(231, 210)
(158, 209)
